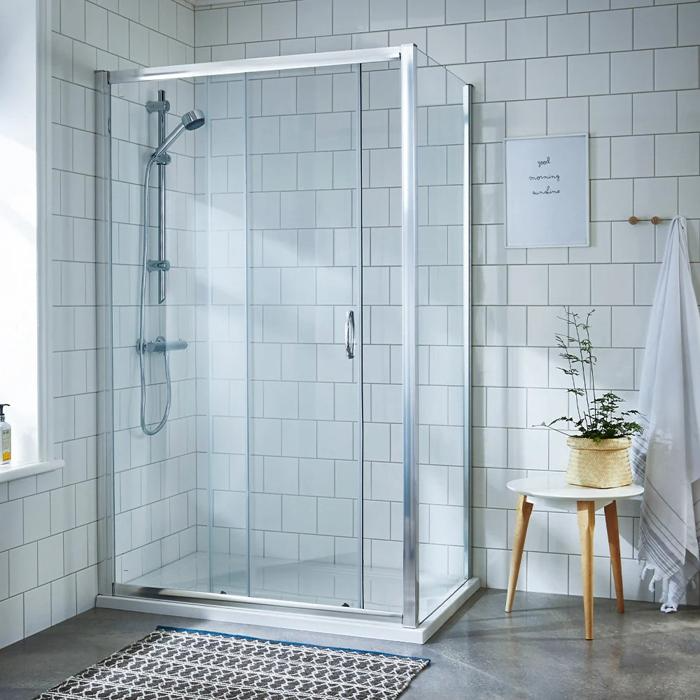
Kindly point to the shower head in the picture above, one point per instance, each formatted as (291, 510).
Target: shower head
(190, 121)
(193, 119)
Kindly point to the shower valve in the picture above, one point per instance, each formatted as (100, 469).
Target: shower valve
(158, 265)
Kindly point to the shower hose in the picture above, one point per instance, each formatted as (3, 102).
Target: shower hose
(141, 346)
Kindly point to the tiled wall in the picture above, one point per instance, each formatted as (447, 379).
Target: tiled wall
(626, 72)
(48, 530)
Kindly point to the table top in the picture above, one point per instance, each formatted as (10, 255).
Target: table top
(554, 486)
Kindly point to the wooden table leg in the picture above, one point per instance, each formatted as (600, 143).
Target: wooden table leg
(586, 525)
(523, 510)
(614, 543)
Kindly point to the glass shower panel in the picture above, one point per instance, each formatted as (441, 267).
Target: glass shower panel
(441, 353)
(222, 505)
(304, 350)
(155, 477)
(382, 305)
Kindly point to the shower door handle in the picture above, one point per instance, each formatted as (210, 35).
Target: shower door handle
(350, 334)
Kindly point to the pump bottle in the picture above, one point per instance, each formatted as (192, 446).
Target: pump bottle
(5, 436)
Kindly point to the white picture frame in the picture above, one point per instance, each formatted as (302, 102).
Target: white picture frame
(546, 191)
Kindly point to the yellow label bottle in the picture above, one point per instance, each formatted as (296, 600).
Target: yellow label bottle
(5, 436)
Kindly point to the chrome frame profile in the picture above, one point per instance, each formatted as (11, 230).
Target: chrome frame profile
(409, 310)
(105, 344)
(407, 54)
(467, 97)
(258, 65)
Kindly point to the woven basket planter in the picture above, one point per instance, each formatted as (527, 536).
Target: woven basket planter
(603, 464)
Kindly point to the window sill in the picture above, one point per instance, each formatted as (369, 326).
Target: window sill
(10, 472)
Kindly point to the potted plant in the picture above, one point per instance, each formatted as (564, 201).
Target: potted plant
(601, 434)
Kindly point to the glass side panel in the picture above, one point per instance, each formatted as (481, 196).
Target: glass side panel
(382, 377)
(303, 291)
(441, 352)
(155, 480)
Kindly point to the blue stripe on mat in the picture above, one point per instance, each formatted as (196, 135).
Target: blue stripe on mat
(166, 628)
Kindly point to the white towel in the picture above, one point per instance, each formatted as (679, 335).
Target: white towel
(666, 458)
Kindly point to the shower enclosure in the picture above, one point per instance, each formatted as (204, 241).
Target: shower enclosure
(285, 432)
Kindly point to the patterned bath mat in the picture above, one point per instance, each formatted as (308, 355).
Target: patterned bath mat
(172, 663)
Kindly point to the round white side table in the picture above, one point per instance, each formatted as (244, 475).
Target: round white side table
(552, 491)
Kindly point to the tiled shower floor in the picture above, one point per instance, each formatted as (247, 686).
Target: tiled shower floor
(281, 579)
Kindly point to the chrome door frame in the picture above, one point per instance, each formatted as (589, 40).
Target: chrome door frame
(407, 53)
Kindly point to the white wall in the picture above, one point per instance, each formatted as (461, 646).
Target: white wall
(626, 72)
(18, 224)
(48, 529)
(623, 70)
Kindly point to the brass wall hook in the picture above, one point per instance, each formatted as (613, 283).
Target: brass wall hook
(654, 220)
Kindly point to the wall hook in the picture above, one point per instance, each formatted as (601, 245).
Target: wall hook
(654, 220)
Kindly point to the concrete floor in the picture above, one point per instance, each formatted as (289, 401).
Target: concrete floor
(537, 651)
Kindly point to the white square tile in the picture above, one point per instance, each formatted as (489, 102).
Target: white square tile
(676, 69)
(315, 93)
(50, 557)
(631, 71)
(426, 12)
(37, 513)
(314, 17)
(655, 27)
(546, 77)
(505, 80)
(589, 75)
(526, 38)
(490, 527)
(688, 109)
(73, 19)
(526, 118)
(630, 326)
(527, 367)
(506, 407)
(688, 196)
(677, 154)
(460, 11)
(63, 600)
(569, 285)
(567, 115)
(211, 27)
(504, 9)
(244, 24)
(447, 44)
(611, 115)
(23, 568)
(612, 284)
(567, 34)
(279, 20)
(96, 26)
(632, 156)
(12, 614)
(37, 609)
(599, 154)
(486, 42)
(350, 17)
(527, 284)
(654, 112)
(279, 96)
(387, 14)
(545, 7)
(611, 31)
(588, 5)
(611, 200)
(688, 23)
